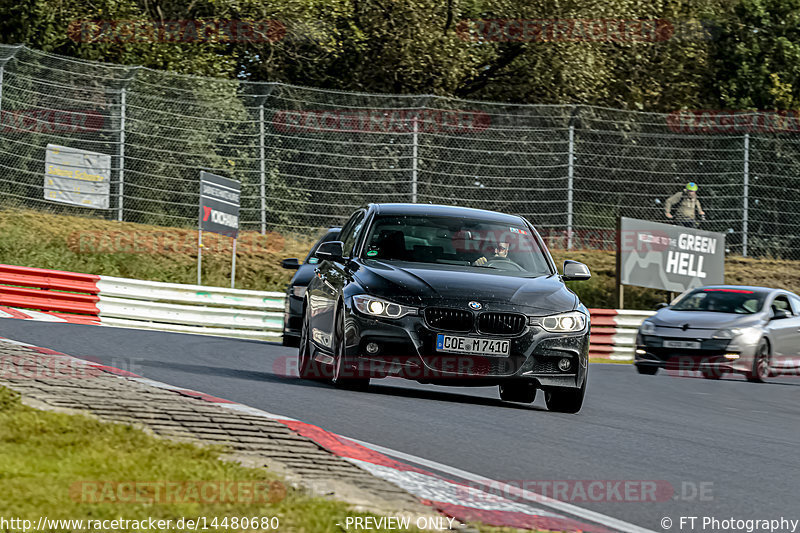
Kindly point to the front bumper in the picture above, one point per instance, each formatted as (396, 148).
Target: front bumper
(407, 348)
(722, 355)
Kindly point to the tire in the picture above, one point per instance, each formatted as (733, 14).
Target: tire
(290, 341)
(761, 360)
(307, 368)
(565, 400)
(341, 365)
(518, 391)
(647, 370)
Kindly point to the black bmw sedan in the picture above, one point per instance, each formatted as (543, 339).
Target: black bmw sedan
(446, 295)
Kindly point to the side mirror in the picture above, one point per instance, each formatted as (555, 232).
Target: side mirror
(661, 305)
(292, 263)
(330, 251)
(575, 271)
(778, 314)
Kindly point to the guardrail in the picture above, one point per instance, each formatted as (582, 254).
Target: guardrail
(142, 304)
(132, 303)
(613, 332)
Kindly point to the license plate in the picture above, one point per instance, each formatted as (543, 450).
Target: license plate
(691, 345)
(471, 345)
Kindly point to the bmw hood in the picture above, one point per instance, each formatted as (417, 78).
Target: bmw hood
(429, 284)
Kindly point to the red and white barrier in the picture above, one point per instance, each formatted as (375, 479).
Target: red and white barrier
(57, 296)
(613, 333)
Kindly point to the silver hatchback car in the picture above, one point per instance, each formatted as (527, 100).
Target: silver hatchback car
(754, 331)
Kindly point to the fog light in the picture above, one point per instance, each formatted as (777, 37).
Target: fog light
(731, 356)
(373, 348)
(564, 364)
(639, 351)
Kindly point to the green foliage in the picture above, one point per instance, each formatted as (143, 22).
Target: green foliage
(721, 54)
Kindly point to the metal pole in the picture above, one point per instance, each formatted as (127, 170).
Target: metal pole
(570, 177)
(199, 256)
(2, 70)
(233, 266)
(745, 199)
(120, 190)
(263, 171)
(414, 147)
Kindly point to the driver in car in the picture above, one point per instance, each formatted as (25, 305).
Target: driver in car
(500, 253)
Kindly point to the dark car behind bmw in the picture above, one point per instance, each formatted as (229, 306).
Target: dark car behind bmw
(297, 288)
(446, 295)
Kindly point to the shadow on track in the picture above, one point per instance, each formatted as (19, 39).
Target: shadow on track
(383, 390)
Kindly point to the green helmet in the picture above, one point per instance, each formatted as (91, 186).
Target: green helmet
(691, 186)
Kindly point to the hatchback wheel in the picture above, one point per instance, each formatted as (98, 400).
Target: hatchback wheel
(518, 391)
(647, 370)
(761, 361)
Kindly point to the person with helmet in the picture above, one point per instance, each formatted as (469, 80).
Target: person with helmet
(688, 206)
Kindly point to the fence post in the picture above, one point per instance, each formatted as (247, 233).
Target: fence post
(123, 112)
(745, 198)
(121, 187)
(263, 168)
(414, 147)
(260, 101)
(570, 178)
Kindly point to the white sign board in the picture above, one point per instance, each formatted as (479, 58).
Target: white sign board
(77, 177)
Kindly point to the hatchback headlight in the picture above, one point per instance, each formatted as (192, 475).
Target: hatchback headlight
(562, 323)
(299, 290)
(647, 328)
(378, 307)
(726, 333)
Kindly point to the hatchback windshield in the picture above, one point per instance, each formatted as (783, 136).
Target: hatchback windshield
(495, 247)
(740, 301)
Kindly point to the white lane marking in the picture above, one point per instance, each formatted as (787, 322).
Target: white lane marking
(574, 510)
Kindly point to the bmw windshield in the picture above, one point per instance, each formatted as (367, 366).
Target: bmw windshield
(490, 246)
(738, 301)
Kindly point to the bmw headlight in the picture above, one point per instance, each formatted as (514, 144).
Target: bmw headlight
(562, 323)
(726, 333)
(647, 328)
(378, 307)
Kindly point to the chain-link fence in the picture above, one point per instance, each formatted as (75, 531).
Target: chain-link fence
(306, 157)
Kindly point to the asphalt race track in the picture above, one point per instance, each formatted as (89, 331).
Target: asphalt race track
(735, 439)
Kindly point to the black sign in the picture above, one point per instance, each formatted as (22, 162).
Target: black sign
(219, 204)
